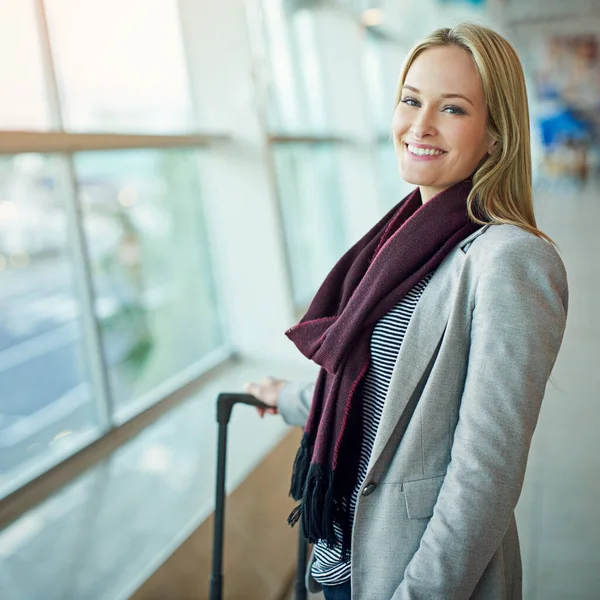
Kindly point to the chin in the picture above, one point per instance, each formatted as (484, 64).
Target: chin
(417, 179)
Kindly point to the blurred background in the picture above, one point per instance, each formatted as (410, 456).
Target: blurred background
(176, 179)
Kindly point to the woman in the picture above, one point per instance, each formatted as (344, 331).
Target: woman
(436, 335)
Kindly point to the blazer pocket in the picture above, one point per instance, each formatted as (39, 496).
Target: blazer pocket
(420, 496)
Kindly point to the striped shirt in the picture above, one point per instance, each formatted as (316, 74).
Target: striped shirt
(386, 340)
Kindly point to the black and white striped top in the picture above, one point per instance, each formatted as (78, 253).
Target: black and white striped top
(386, 340)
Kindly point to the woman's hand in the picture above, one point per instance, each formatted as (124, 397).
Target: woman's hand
(267, 391)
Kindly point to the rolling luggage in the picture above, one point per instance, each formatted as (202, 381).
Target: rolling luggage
(225, 403)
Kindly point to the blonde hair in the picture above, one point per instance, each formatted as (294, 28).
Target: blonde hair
(502, 183)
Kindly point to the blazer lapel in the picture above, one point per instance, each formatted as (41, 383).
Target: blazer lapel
(423, 334)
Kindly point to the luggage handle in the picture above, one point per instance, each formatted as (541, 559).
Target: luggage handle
(225, 403)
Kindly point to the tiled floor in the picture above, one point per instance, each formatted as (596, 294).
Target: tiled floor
(111, 527)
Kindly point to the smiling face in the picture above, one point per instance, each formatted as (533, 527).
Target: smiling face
(439, 124)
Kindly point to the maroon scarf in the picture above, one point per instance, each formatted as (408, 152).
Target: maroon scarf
(365, 284)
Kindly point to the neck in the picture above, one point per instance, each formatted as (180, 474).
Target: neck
(427, 193)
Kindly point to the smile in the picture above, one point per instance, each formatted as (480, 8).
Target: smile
(424, 151)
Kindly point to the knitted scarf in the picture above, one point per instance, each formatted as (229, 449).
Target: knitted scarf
(367, 282)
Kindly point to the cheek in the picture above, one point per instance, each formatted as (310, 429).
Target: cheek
(469, 138)
(399, 122)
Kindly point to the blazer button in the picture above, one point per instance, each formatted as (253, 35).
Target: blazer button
(369, 489)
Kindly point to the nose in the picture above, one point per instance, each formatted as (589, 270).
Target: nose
(423, 124)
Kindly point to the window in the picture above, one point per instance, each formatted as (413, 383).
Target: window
(120, 65)
(107, 295)
(382, 64)
(286, 45)
(48, 402)
(23, 102)
(312, 214)
(154, 292)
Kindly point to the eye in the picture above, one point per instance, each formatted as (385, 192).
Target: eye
(410, 101)
(453, 110)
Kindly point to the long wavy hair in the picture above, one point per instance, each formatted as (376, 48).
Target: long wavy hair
(502, 183)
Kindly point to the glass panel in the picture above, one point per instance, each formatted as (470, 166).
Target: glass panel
(312, 215)
(120, 65)
(47, 404)
(284, 40)
(22, 95)
(308, 67)
(382, 63)
(380, 99)
(155, 296)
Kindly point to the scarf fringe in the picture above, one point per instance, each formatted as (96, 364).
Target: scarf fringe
(320, 510)
(300, 469)
(313, 504)
(295, 515)
(329, 510)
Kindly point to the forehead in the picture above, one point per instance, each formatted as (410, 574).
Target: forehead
(446, 70)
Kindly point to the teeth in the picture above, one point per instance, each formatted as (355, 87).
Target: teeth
(423, 151)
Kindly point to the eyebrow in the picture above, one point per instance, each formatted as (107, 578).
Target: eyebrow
(409, 87)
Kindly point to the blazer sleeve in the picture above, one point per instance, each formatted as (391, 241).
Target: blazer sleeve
(518, 321)
(294, 402)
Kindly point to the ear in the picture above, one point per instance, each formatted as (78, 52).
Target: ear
(492, 146)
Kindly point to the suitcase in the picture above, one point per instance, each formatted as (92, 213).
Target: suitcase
(225, 403)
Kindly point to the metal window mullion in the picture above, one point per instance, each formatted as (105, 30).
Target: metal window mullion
(48, 67)
(85, 285)
(187, 39)
(76, 236)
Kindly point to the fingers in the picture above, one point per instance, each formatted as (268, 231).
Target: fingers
(270, 411)
(267, 391)
(263, 391)
(252, 389)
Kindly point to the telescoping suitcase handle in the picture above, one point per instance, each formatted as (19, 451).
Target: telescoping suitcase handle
(225, 404)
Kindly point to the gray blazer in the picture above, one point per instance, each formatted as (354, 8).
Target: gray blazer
(437, 520)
